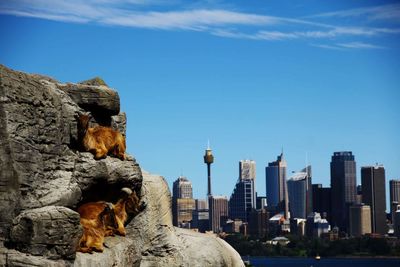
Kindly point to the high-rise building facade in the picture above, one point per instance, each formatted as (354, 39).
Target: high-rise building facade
(394, 188)
(258, 223)
(247, 170)
(396, 225)
(182, 188)
(374, 195)
(276, 188)
(343, 188)
(218, 212)
(322, 200)
(261, 202)
(360, 220)
(300, 194)
(243, 198)
(183, 203)
(201, 216)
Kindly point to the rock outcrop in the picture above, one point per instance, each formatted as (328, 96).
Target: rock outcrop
(44, 178)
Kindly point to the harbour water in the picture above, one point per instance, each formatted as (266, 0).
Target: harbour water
(323, 262)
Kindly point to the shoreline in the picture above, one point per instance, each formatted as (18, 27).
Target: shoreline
(336, 257)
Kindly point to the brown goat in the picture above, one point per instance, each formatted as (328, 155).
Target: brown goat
(98, 221)
(128, 204)
(100, 140)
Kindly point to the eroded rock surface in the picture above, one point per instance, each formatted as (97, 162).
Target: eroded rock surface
(49, 231)
(43, 178)
(41, 167)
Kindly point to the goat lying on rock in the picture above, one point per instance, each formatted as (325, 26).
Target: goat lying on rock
(98, 221)
(100, 140)
(129, 204)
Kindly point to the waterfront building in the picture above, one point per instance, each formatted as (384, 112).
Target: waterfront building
(281, 240)
(316, 226)
(394, 188)
(297, 226)
(374, 195)
(276, 188)
(343, 188)
(232, 226)
(278, 225)
(360, 220)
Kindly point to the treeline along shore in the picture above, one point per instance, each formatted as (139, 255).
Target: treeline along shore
(310, 247)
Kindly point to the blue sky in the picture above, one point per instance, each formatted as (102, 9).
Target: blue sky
(252, 76)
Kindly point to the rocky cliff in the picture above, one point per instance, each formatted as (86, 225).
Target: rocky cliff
(44, 178)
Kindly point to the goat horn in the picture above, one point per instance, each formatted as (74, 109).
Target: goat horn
(109, 205)
(126, 190)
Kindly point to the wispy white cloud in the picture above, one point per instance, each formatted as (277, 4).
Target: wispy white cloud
(358, 45)
(218, 22)
(108, 12)
(325, 46)
(348, 46)
(327, 34)
(383, 12)
(191, 19)
(43, 15)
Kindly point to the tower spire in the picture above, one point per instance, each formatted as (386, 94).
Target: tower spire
(208, 159)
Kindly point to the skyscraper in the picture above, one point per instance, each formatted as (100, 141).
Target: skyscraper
(360, 220)
(300, 194)
(275, 177)
(183, 203)
(247, 170)
(261, 202)
(396, 225)
(182, 188)
(394, 187)
(322, 200)
(218, 212)
(373, 194)
(343, 188)
(243, 198)
(201, 216)
(258, 223)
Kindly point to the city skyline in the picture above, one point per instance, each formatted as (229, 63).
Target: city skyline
(357, 210)
(305, 172)
(252, 77)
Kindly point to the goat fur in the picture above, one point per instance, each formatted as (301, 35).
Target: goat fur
(128, 204)
(101, 140)
(98, 221)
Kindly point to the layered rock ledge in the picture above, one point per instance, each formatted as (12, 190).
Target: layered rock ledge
(44, 178)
